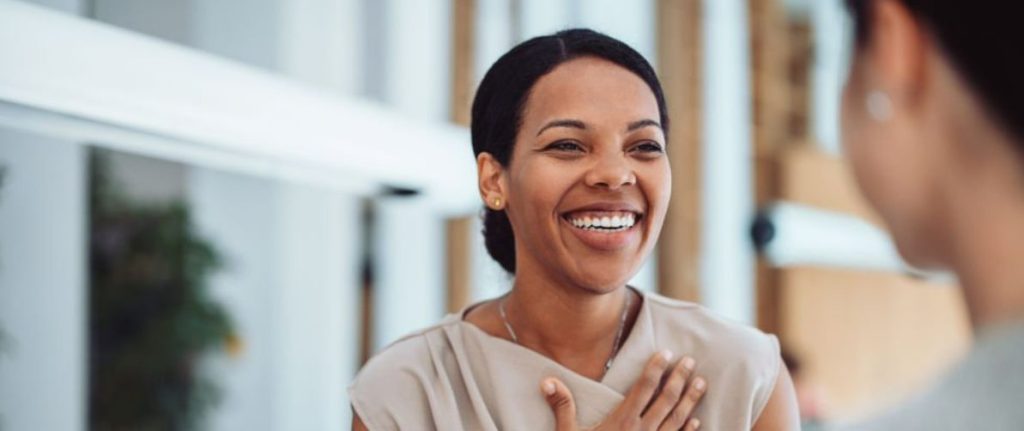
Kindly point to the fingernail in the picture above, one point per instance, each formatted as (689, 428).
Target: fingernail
(666, 355)
(688, 363)
(696, 423)
(549, 387)
(699, 384)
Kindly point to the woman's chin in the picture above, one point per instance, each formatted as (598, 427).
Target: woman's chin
(602, 280)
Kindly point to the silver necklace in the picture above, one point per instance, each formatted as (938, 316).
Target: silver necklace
(618, 333)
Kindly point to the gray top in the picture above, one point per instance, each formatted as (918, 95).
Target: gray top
(454, 376)
(984, 392)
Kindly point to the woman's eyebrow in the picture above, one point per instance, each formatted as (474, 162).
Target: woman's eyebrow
(642, 123)
(576, 124)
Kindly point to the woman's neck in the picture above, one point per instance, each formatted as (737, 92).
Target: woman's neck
(987, 246)
(574, 326)
(989, 261)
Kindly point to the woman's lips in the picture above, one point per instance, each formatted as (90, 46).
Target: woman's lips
(604, 230)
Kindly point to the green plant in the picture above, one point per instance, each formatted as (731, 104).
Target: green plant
(151, 317)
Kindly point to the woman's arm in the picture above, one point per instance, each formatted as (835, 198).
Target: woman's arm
(780, 414)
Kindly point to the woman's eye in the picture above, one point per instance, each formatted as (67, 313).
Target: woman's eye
(648, 147)
(565, 146)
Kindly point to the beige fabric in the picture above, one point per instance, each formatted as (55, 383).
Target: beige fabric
(454, 376)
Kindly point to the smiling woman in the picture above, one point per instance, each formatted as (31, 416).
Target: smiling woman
(570, 133)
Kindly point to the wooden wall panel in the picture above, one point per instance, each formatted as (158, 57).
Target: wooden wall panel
(463, 73)
(680, 64)
(459, 242)
(459, 231)
(870, 339)
(771, 110)
(811, 177)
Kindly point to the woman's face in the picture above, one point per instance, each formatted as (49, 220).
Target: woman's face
(588, 183)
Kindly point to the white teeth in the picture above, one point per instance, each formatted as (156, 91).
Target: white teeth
(613, 223)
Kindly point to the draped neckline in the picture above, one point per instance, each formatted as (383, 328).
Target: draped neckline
(634, 353)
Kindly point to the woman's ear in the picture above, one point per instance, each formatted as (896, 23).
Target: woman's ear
(490, 177)
(898, 49)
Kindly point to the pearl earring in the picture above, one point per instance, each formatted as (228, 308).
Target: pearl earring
(879, 105)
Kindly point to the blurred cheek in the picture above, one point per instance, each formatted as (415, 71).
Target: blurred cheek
(852, 117)
(879, 165)
(856, 134)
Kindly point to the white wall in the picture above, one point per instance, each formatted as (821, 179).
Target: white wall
(489, 279)
(494, 33)
(163, 19)
(832, 36)
(727, 261)
(43, 279)
(316, 298)
(317, 42)
(414, 77)
(248, 31)
(417, 53)
(236, 214)
(541, 17)
(74, 7)
(291, 285)
(632, 22)
(409, 262)
(322, 43)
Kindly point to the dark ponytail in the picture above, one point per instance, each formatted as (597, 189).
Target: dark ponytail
(499, 239)
(498, 106)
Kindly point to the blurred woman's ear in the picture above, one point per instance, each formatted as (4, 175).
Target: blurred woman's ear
(896, 51)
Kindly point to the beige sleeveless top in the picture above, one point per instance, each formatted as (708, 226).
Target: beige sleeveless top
(454, 376)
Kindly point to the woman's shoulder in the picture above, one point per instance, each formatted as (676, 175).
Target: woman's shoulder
(675, 317)
(410, 354)
(730, 353)
(715, 338)
(392, 387)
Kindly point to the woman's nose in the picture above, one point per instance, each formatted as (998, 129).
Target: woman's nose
(612, 172)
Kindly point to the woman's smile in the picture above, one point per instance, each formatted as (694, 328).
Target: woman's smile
(604, 227)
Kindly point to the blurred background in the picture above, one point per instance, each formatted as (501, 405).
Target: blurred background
(212, 212)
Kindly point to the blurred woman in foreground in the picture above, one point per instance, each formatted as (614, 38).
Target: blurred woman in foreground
(933, 122)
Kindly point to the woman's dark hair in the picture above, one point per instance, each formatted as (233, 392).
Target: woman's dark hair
(498, 106)
(983, 40)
